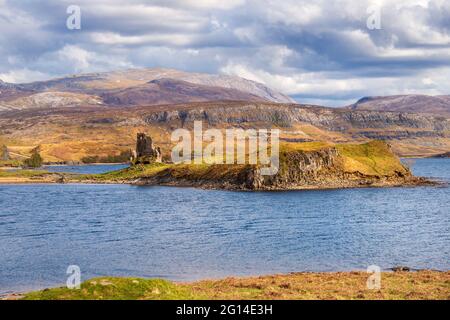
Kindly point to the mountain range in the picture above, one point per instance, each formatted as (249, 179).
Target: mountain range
(147, 87)
(100, 114)
(135, 87)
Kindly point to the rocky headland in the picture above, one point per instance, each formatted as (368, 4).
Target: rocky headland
(302, 166)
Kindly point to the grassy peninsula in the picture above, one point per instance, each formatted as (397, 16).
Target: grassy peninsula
(302, 166)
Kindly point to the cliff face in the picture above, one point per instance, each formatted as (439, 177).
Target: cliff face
(362, 122)
(329, 168)
(304, 169)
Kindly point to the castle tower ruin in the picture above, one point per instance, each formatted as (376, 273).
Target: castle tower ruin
(146, 153)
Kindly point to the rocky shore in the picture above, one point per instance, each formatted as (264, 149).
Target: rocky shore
(353, 182)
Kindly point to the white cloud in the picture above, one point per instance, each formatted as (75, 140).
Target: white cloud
(215, 4)
(23, 76)
(313, 87)
(317, 50)
(110, 38)
(295, 13)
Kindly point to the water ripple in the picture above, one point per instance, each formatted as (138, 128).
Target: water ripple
(187, 234)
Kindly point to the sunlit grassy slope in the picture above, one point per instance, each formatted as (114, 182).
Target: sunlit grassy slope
(372, 158)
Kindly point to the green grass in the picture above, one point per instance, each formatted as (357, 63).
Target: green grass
(22, 173)
(372, 158)
(130, 173)
(109, 288)
(304, 146)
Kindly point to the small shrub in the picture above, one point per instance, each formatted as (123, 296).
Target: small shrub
(35, 161)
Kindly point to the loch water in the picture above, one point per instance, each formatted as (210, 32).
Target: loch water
(186, 234)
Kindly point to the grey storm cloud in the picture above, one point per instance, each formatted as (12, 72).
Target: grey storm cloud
(316, 51)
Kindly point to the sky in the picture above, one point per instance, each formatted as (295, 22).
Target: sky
(326, 52)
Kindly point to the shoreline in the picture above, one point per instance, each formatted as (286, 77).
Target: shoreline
(62, 178)
(87, 164)
(397, 284)
(417, 182)
(345, 184)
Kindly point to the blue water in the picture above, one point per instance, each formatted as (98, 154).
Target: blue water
(86, 169)
(188, 234)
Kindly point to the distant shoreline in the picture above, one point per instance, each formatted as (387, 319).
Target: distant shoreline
(68, 165)
(87, 164)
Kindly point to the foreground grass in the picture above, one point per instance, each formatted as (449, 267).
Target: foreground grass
(340, 285)
(108, 288)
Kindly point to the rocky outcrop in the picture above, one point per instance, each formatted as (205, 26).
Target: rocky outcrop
(365, 122)
(324, 168)
(304, 169)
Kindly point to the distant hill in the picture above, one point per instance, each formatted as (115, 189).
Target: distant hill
(10, 91)
(405, 103)
(50, 100)
(171, 91)
(135, 87)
